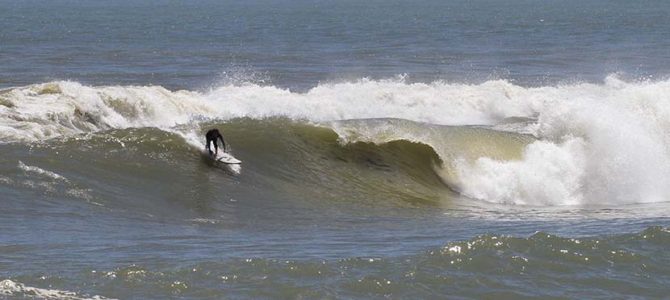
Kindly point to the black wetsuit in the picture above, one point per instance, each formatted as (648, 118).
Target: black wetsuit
(212, 136)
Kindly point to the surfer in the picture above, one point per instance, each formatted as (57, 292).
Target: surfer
(212, 136)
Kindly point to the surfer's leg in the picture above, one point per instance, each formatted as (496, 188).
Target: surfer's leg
(208, 146)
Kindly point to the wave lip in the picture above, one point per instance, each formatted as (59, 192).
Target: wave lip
(73, 108)
(45, 111)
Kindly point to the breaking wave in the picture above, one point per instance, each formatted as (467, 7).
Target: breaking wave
(577, 144)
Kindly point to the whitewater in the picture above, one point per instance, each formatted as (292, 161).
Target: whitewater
(419, 149)
(592, 144)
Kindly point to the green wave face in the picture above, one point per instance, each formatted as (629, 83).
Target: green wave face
(319, 164)
(355, 161)
(449, 143)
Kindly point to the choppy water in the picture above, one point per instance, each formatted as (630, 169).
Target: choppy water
(296, 44)
(390, 150)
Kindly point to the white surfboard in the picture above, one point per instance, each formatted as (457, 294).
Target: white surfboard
(226, 158)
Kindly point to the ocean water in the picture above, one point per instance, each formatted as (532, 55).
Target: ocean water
(391, 149)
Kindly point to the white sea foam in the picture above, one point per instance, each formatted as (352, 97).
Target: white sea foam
(52, 182)
(548, 174)
(40, 171)
(16, 289)
(598, 143)
(604, 144)
(64, 108)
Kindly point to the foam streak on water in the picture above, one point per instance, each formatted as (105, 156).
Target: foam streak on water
(16, 289)
(41, 171)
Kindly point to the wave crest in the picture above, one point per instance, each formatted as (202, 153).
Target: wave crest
(596, 143)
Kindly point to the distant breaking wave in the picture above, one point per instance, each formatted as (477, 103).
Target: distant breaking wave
(579, 144)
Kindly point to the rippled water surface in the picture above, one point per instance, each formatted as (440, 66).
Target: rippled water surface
(424, 149)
